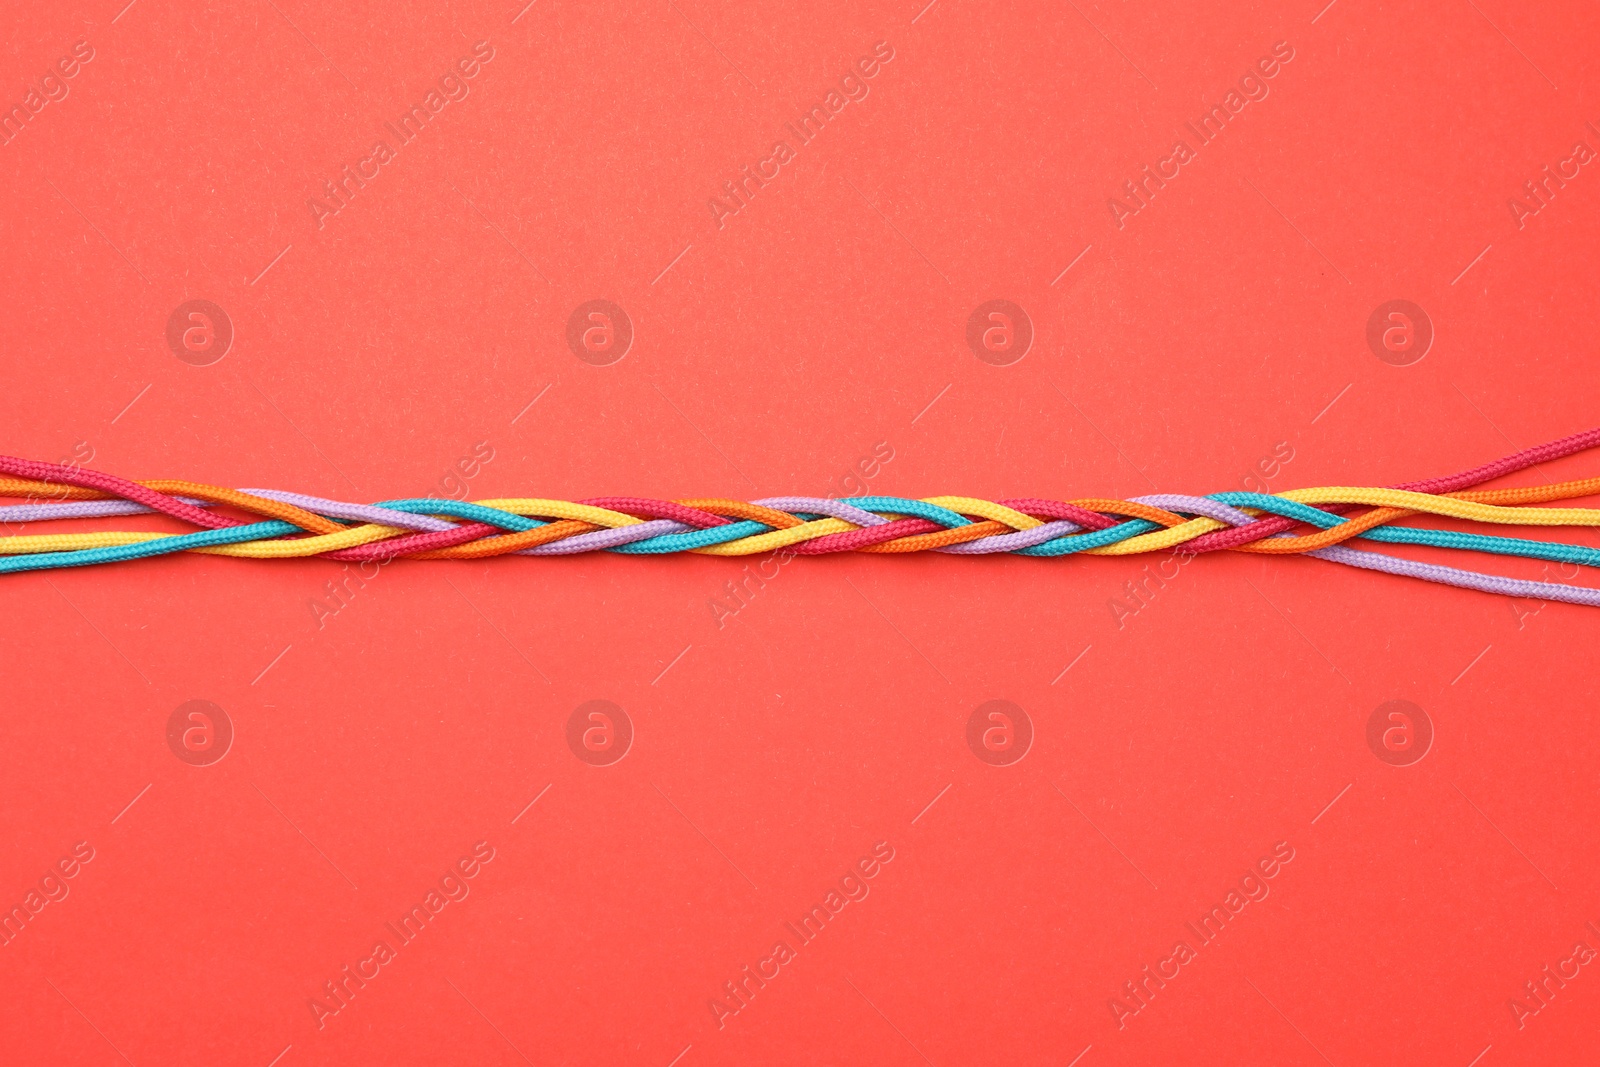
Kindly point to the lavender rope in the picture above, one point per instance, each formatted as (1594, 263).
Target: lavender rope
(817, 505)
(81, 509)
(338, 509)
(1011, 542)
(621, 535)
(1432, 572)
(1196, 505)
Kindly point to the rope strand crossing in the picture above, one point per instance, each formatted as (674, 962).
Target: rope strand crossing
(1319, 522)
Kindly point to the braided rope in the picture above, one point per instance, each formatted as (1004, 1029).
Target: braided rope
(293, 525)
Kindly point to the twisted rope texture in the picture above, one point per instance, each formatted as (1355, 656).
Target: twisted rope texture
(1315, 522)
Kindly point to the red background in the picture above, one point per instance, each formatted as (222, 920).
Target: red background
(775, 353)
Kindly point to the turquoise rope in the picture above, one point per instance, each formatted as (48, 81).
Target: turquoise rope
(1061, 546)
(463, 510)
(87, 557)
(917, 509)
(1501, 546)
(712, 535)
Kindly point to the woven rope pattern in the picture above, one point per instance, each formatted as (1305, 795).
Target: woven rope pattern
(1315, 521)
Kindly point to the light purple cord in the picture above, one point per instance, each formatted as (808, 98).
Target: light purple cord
(338, 509)
(816, 505)
(1196, 505)
(1432, 572)
(1010, 542)
(81, 509)
(598, 539)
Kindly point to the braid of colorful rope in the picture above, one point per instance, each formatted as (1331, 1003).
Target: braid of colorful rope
(295, 525)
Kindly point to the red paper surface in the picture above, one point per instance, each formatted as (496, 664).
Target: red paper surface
(411, 335)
